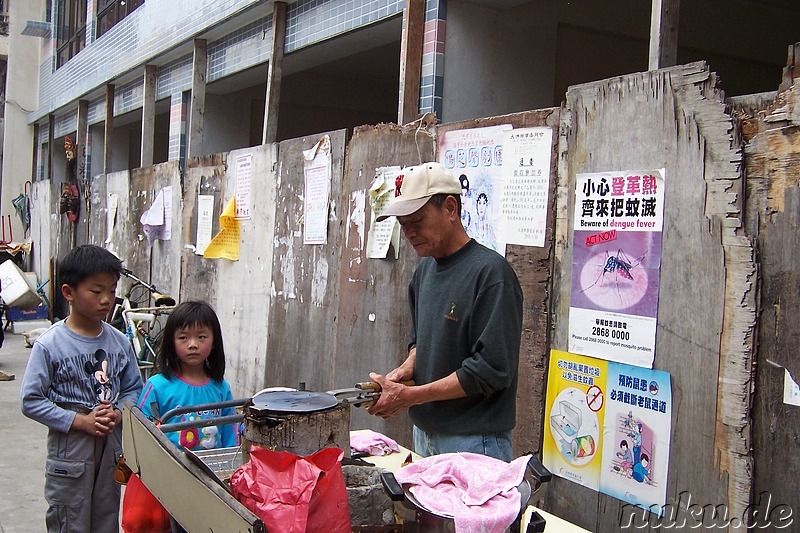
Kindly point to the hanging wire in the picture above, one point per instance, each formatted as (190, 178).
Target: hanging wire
(423, 125)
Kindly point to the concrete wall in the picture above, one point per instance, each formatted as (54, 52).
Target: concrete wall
(228, 120)
(21, 95)
(498, 62)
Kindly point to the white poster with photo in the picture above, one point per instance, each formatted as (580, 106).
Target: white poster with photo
(616, 265)
(475, 157)
(526, 184)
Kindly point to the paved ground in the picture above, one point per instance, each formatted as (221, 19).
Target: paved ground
(22, 449)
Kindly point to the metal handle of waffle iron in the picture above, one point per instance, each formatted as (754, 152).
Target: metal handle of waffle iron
(204, 422)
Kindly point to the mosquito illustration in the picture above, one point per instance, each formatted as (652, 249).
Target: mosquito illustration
(619, 264)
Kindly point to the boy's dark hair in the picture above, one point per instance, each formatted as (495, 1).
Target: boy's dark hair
(86, 260)
(188, 314)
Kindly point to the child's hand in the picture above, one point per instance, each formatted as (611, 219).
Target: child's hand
(105, 418)
(99, 422)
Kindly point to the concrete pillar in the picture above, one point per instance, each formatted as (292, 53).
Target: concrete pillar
(178, 109)
(274, 74)
(198, 109)
(109, 129)
(81, 177)
(51, 126)
(148, 115)
(664, 34)
(411, 60)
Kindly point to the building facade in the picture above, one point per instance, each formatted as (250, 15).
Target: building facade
(139, 82)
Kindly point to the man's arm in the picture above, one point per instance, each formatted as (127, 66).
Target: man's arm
(395, 397)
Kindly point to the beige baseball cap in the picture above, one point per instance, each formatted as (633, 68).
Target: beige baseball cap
(415, 185)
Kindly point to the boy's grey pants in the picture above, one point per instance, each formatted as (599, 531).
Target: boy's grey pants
(79, 482)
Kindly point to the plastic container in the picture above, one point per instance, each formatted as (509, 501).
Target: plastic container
(15, 287)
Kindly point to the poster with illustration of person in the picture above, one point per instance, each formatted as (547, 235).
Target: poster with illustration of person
(636, 436)
(616, 265)
(475, 158)
(608, 427)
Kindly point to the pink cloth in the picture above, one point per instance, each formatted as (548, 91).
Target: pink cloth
(479, 492)
(373, 443)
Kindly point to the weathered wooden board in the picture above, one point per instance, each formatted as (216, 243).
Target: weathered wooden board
(203, 175)
(533, 266)
(373, 315)
(773, 213)
(243, 287)
(673, 119)
(238, 290)
(303, 311)
(165, 255)
(43, 216)
(137, 256)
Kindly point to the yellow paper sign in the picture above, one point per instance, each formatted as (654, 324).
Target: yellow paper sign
(225, 244)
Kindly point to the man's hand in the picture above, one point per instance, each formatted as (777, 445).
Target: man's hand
(394, 397)
(404, 372)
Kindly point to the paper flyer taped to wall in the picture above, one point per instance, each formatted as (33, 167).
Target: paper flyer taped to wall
(157, 221)
(225, 244)
(385, 233)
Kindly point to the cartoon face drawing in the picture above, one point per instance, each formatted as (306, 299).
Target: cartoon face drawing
(99, 371)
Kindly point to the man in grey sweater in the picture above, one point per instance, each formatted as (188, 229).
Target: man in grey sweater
(466, 308)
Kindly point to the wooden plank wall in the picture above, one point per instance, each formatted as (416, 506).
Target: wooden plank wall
(373, 316)
(772, 153)
(533, 267)
(673, 119)
(239, 290)
(302, 326)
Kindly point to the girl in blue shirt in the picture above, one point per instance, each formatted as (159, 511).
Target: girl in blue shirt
(190, 372)
(191, 366)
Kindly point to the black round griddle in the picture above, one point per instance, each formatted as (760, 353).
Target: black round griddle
(292, 402)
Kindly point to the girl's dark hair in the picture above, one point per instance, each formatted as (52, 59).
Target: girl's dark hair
(86, 260)
(185, 315)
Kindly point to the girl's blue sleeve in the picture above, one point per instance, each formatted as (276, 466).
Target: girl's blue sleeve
(147, 397)
(228, 431)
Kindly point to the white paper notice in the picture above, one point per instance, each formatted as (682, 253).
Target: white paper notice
(166, 232)
(244, 186)
(382, 234)
(526, 182)
(205, 212)
(111, 215)
(153, 219)
(317, 172)
(791, 392)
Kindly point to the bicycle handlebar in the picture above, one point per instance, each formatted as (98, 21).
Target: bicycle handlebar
(128, 274)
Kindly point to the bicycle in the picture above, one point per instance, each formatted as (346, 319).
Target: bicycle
(140, 322)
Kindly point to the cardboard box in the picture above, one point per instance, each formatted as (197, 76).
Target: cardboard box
(16, 289)
(16, 314)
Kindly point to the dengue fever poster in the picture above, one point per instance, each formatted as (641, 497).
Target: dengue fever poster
(608, 427)
(475, 157)
(616, 265)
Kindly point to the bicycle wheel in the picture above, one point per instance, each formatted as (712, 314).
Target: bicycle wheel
(139, 295)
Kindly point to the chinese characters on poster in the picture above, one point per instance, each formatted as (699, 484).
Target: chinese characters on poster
(608, 427)
(616, 265)
(475, 158)
(526, 183)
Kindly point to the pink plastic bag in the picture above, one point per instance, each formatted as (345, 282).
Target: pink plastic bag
(292, 494)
